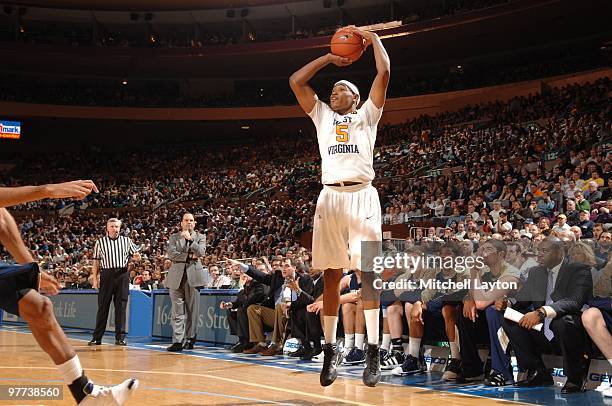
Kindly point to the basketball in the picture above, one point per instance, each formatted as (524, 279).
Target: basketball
(347, 44)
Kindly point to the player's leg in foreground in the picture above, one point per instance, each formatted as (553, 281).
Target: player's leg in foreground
(37, 311)
(332, 358)
(371, 310)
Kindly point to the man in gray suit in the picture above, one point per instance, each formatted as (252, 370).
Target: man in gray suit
(184, 250)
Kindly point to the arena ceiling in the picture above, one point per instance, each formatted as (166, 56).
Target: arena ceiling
(147, 5)
(522, 24)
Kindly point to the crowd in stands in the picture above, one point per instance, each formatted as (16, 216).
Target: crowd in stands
(558, 150)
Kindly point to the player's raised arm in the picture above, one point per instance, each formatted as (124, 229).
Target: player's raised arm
(378, 91)
(299, 80)
(78, 189)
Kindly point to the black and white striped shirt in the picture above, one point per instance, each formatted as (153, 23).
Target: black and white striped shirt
(114, 253)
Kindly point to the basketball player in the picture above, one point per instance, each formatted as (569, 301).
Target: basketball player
(348, 209)
(19, 294)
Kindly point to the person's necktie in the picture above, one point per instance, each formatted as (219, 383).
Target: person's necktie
(550, 286)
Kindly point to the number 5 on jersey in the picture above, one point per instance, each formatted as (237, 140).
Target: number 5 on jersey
(342, 134)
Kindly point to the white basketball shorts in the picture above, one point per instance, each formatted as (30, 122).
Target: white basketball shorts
(344, 218)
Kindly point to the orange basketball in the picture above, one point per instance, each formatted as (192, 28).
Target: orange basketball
(347, 44)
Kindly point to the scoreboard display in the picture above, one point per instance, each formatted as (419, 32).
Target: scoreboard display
(10, 129)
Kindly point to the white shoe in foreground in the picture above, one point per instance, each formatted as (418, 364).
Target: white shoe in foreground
(608, 393)
(111, 395)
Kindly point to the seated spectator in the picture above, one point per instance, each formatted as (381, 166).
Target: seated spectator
(573, 216)
(471, 213)
(235, 278)
(436, 307)
(461, 233)
(438, 207)
(308, 323)
(495, 212)
(545, 205)
(543, 225)
(597, 231)
(604, 213)
(577, 231)
(353, 319)
(599, 182)
(597, 320)
(83, 281)
(218, 281)
(581, 202)
(570, 190)
(607, 192)
(481, 316)
(503, 226)
(455, 216)
(561, 224)
(557, 197)
(592, 194)
(553, 294)
(146, 282)
(280, 295)
(252, 292)
(585, 225)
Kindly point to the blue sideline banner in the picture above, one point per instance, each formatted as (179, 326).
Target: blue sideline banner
(213, 325)
(77, 309)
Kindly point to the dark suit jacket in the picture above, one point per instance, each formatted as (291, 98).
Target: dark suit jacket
(275, 281)
(573, 288)
(253, 293)
(307, 298)
(306, 284)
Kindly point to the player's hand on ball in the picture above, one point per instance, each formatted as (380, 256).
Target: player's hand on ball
(339, 60)
(48, 284)
(77, 189)
(367, 35)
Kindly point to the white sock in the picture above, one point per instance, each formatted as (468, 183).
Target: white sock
(386, 342)
(349, 340)
(359, 339)
(262, 344)
(372, 325)
(414, 346)
(71, 370)
(454, 347)
(330, 325)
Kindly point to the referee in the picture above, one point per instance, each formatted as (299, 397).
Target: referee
(111, 254)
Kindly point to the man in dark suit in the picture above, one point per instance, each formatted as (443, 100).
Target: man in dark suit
(553, 294)
(272, 311)
(253, 292)
(306, 326)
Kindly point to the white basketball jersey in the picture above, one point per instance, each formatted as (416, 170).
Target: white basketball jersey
(346, 142)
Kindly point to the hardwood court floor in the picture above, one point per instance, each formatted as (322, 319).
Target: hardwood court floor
(181, 379)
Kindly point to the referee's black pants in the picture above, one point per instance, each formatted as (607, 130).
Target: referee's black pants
(114, 284)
